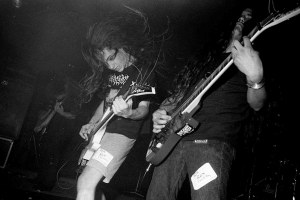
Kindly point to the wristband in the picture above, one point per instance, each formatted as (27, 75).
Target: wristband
(256, 86)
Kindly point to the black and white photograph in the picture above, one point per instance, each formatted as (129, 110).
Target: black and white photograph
(149, 99)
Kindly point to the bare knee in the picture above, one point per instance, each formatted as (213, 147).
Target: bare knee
(89, 179)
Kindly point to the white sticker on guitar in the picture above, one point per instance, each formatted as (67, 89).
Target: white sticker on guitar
(202, 176)
(103, 157)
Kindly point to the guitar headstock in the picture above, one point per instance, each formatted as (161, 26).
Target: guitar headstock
(139, 90)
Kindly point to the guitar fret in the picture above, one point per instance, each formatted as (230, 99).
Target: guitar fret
(202, 85)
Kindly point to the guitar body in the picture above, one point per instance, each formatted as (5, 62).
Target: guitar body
(157, 155)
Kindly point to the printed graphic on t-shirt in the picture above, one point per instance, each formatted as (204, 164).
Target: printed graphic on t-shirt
(103, 157)
(118, 80)
(202, 176)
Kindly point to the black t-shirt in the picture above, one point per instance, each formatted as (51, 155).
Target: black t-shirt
(224, 109)
(144, 76)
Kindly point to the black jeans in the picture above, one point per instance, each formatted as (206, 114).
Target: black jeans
(187, 158)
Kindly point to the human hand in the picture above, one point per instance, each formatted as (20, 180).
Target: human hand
(58, 107)
(86, 130)
(37, 129)
(81, 161)
(70, 116)
(247, 60)
(159, 118)
(122, 108)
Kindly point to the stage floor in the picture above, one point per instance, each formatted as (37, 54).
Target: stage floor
(18, 184)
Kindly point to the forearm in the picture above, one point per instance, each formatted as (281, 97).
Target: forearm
(97, 114)
(256, 93)
(256, 98)
(44, 121)
(43, 115)
(138, 113)
(67, 115)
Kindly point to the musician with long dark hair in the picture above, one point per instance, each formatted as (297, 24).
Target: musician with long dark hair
(206, 154)
(120, 52)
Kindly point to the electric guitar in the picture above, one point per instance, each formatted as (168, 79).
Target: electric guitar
(96, 135)
(163, 142)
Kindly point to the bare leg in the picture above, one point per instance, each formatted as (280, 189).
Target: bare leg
(87, 183)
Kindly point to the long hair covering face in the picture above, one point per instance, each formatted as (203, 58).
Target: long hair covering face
(129, 31)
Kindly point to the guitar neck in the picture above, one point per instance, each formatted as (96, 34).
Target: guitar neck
(202, 86)
(104, 121)
(106, 117)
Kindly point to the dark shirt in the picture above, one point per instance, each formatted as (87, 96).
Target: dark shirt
(129, 127)
(224, 109)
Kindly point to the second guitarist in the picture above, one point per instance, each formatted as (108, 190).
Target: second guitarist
(205, 155)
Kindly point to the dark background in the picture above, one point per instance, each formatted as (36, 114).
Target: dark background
(42, 38)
